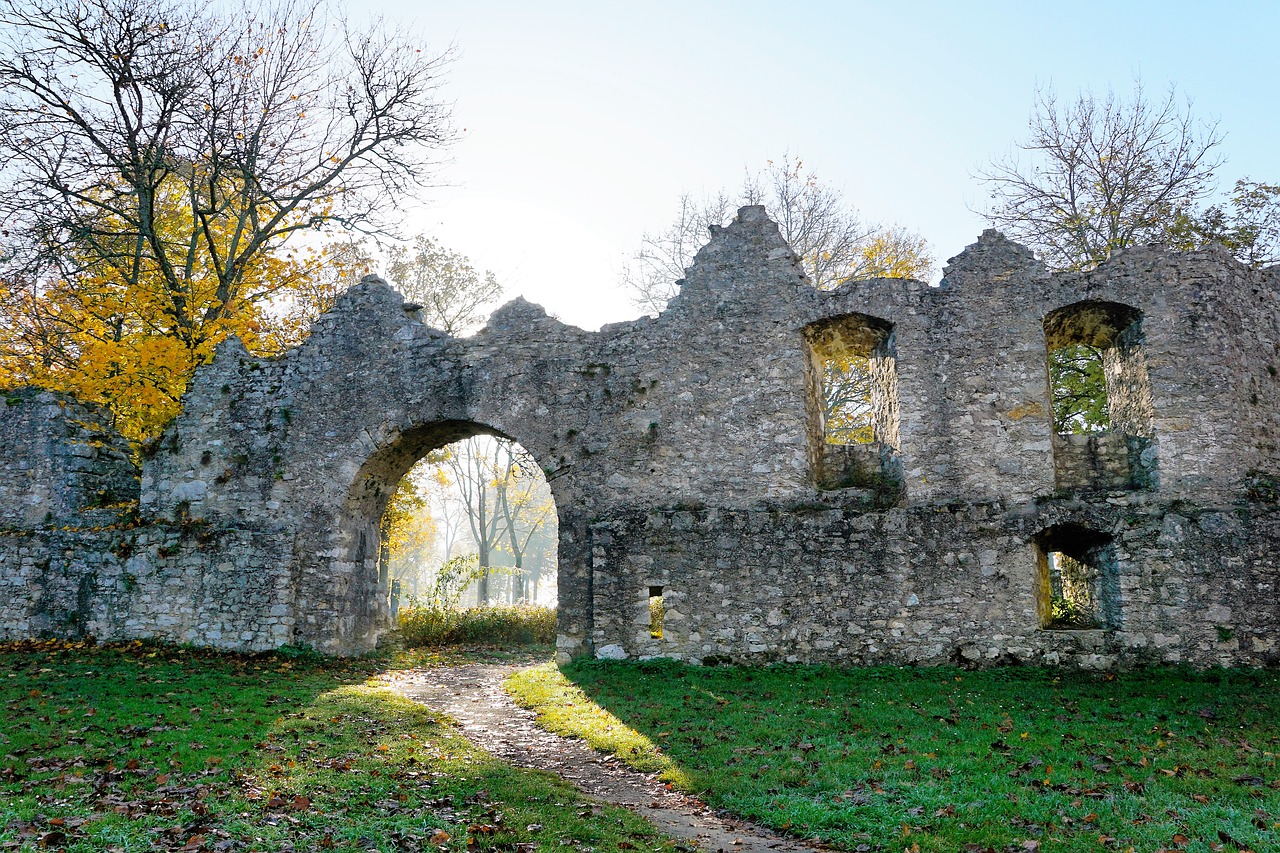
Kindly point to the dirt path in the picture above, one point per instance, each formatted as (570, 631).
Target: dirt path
(473, 696)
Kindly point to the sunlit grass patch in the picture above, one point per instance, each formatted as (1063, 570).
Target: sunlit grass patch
(141, 748)
(564, 709)
(937, 759)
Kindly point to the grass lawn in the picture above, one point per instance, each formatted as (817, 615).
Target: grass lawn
(945, 760)
(140, 747)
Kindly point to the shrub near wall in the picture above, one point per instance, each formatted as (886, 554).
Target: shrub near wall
(516, 625)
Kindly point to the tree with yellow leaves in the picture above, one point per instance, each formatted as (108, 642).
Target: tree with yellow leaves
(834, 243)
(108, 335)
(408, 535)
(161, 161)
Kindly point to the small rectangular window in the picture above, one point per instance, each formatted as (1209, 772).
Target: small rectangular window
(656, 612)
(1079, 579)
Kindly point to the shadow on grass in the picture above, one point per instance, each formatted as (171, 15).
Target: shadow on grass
(139, 747)
(946, 760)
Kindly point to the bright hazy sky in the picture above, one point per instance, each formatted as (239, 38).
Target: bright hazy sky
(585, 121)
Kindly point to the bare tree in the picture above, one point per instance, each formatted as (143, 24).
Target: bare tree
(815, 219)
(833, 242)
(474, 476)
(173, 146)
(1102, 174)
(525, 502)
(449, 514)
(450, 290)
(653, 270)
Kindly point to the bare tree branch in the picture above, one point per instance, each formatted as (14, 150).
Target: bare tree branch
(1102, 174)
(833, 242)
(147, 138)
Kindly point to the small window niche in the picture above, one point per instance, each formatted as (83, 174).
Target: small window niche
(854, 403)
(657, 612)
(1100, 398)
(1078, 580)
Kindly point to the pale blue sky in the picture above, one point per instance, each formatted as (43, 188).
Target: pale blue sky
(585, 121)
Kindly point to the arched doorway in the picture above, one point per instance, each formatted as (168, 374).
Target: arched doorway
(471, 524)
(344, 589)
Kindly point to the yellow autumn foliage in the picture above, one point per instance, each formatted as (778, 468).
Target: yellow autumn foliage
(120, 333)
(407, 525)
(847, 399)
(896, 253)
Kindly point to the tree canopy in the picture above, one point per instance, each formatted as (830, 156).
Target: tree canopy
(1104, 173)
(452, 293)
(833, 241)
(170, 173)
(1098, 174)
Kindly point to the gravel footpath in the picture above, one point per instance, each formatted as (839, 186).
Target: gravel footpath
(472, 694)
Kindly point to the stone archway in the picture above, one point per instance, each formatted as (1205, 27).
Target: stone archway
(348, 576)
(310, 447)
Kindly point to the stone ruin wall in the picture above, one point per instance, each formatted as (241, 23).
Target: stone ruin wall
(685, 452)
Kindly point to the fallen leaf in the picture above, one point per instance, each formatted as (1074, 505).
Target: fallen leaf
(1227, 839)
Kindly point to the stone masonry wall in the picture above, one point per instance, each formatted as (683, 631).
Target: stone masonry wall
(931, 585)
(683, 452)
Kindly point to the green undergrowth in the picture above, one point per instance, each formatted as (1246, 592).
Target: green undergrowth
(514, 625)
(946, 760)
(138, 747)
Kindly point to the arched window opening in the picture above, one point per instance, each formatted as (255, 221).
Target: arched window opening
(1078, 579)
(1100, 397)
(854, 402)
(473, 523)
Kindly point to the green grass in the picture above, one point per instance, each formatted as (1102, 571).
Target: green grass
(514, 625)
(564, 709)
(945, 760)
(149, 748)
